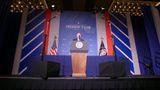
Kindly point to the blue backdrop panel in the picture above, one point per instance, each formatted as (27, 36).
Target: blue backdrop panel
(73, 22)
(121, 39)
(32, 14)
(33, 38)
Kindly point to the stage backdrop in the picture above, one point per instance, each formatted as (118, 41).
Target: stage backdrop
(64, 25)
(73, 22)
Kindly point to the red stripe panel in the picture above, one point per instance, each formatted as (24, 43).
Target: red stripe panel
(108, 34)
(47, 29)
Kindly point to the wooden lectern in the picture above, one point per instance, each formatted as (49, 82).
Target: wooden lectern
(79, 58)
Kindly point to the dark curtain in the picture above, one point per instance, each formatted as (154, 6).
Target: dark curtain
(159, 9)
(146, 42)
(9, 28)
(152, 39)
(141, 43)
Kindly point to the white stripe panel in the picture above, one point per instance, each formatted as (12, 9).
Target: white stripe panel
(32, 39)
(17, 56)
(31, 51)
(54, 29)
(35, 17)
(133, 45)
(121, 41)
(119, 20)
(123, 15)
(156, 18)
(124, 54)
(132, 72)
(119, 29)
(101, 31)
(23, 70)
(30, 11)
(34, 27)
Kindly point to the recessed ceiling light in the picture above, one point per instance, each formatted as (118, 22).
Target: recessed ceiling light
(53, 6)
(102, 8)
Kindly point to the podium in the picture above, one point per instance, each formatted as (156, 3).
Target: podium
(79, 51)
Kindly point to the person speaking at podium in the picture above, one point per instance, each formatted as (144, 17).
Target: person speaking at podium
(79, 51)
(78, 41)
(78, 37)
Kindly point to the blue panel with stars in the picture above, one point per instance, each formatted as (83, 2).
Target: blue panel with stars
(72, 22)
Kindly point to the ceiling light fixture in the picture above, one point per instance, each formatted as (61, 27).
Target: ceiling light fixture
(19, 5)
(133, 7)
(53, 6)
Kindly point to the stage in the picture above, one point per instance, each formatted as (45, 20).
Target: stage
(86, 83)
(92, 65)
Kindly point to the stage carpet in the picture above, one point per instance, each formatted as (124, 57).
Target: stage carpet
(80, 83)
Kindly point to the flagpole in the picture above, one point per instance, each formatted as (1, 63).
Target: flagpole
(45, 37)
(44, 42)
(114, 49)
(43, 49)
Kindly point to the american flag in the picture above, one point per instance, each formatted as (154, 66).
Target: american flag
(53, 50)
(102, 49)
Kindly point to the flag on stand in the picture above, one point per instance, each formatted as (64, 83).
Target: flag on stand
(54, 50)
(102, 49)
